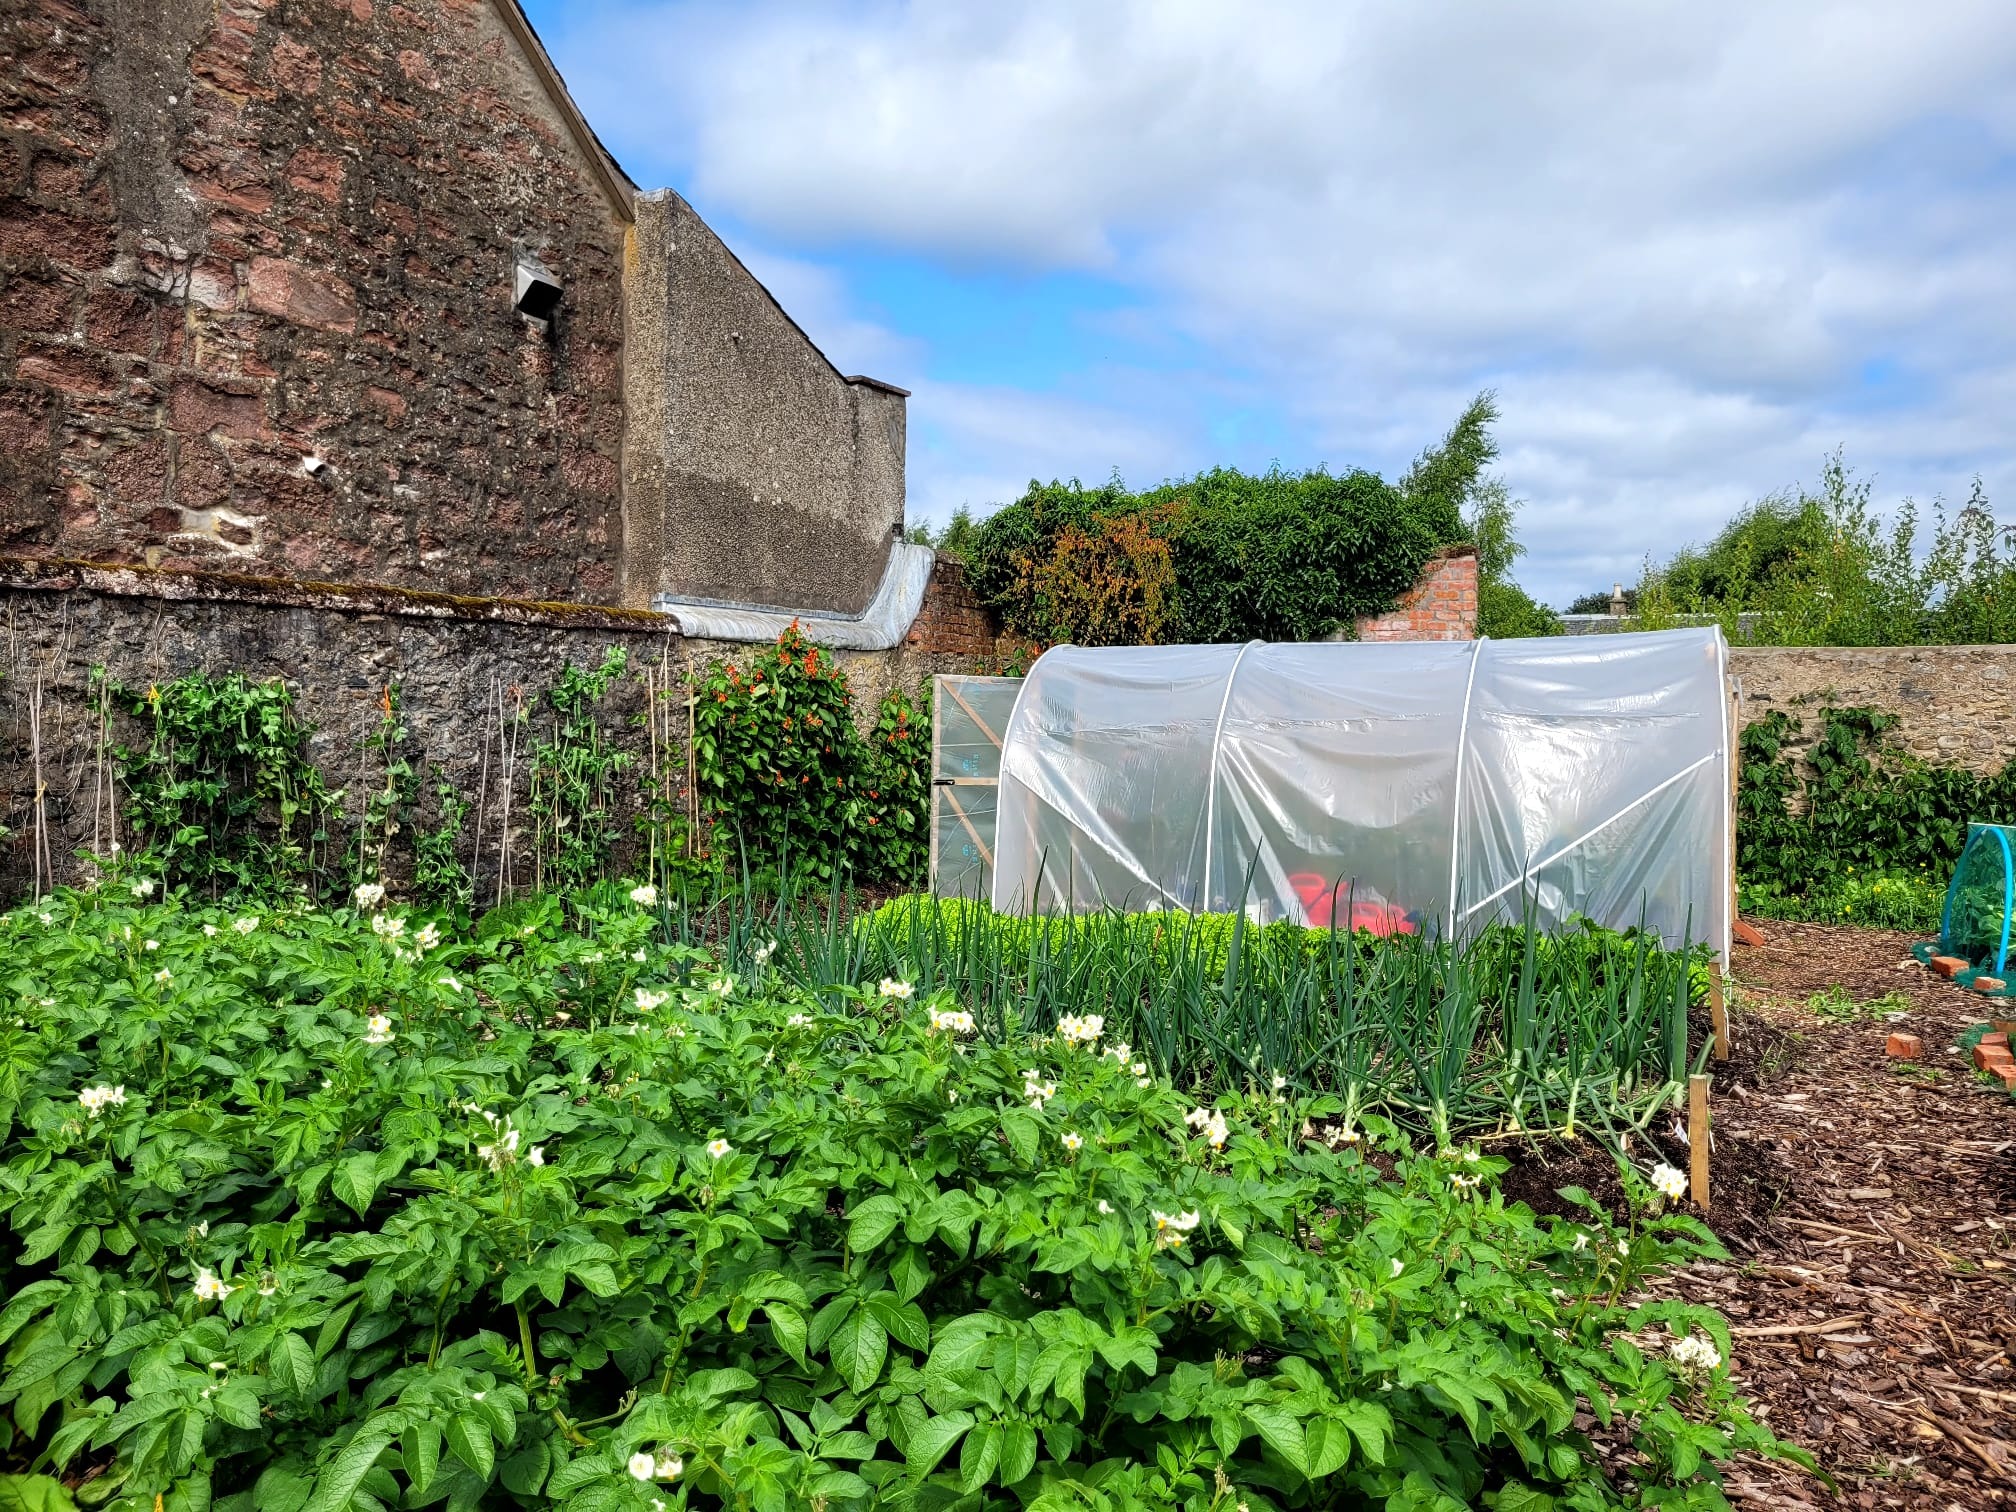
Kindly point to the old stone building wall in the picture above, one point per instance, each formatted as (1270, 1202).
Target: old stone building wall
(238, 235)
(755, 472)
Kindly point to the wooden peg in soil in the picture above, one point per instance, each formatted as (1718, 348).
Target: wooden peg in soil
(1697, 1139)
(1718, 1012)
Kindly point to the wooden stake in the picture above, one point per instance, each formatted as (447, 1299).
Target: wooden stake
(1697, 1139)
(1718, 1011)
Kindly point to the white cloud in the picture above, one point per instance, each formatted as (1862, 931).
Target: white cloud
(853, 341)
(1672, 234)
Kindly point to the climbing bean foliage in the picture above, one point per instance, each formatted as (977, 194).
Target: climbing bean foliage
(1820, 828)
(792, 786)
(563, 1213)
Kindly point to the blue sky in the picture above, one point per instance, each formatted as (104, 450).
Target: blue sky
(1694, 247)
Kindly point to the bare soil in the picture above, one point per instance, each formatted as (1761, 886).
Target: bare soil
(1869, 1207)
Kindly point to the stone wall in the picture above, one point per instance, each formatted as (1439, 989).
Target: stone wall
(236, 235)
(756, 472)
(1441, 606)
(459, 663)
(1956, 705)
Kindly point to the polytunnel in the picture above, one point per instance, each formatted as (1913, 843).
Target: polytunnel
(1401, 787)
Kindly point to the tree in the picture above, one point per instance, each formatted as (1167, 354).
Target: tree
(1445, 477)
(954, 539)
(1504, 609)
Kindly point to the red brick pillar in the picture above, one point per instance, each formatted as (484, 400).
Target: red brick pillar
(1441, 606)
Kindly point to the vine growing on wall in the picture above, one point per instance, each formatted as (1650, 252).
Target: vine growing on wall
(573, 784)
(221, 791)
(789, 781)
(1854, 805)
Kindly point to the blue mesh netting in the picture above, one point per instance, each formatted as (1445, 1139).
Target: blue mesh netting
(1975, 925)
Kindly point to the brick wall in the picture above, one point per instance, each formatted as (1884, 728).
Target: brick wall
(1441, 606)
(239, 234)
(952, 621)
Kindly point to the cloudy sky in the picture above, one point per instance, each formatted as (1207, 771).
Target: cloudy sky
(1693, 246)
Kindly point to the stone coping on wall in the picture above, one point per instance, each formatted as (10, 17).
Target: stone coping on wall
(127, 580)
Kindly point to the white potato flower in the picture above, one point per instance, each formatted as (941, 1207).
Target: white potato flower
(642, 1466)
(163, 977)
(208, 1288)
(1073, 1141)
(378, 1030)
(1670, 1180)
(646, 999)
(1081, 1029)
(891, 988)
(369, 894)
(94, 1100)
(144, 888)
(718, 1147)
(1696, 1353)
(245, 925)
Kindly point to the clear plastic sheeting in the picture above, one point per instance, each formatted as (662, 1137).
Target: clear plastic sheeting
(883, 624)
(969, 717)
(1398, 787)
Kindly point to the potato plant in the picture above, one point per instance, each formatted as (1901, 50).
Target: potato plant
(320, 1210)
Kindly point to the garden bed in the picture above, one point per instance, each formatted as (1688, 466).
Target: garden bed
(321, 1209)
(1874, 1212)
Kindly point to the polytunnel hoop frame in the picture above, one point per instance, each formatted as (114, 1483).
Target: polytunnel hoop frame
(1586, 836)
(1456, 796)
(1218, 744)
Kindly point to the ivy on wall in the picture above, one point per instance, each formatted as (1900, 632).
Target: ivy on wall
(1852, 807)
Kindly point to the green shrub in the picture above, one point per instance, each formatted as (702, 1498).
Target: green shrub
(790, 783)
(311, 1212)
(1281, 556)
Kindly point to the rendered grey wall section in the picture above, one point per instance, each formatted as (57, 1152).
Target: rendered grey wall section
(754, 471)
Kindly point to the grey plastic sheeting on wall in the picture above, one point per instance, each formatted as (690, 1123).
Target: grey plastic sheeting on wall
(883, 624)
